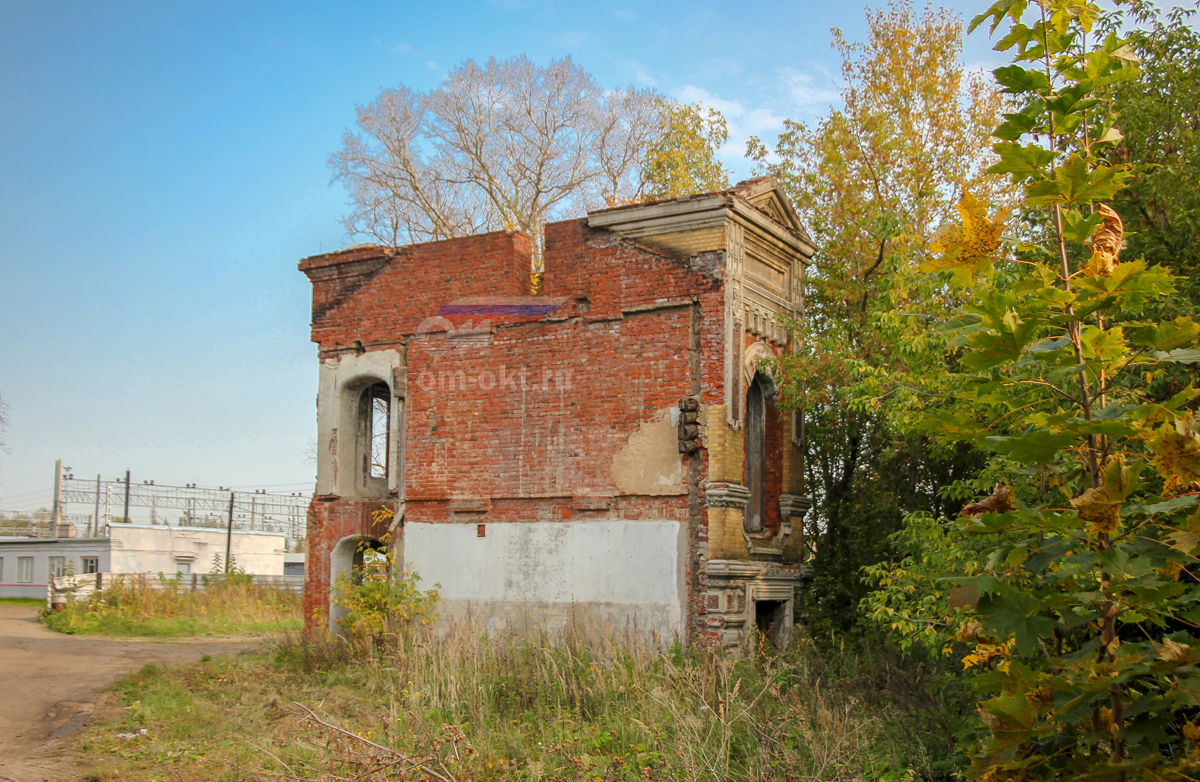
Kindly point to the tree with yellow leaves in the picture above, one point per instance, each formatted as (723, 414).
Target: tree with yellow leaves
(873, 180)
(683, 158)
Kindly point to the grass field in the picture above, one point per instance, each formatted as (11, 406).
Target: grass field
(22, 601)
(164, 608)
(466, 707)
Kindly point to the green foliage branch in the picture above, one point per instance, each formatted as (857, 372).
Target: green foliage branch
(1160, 127)
(1084, 629)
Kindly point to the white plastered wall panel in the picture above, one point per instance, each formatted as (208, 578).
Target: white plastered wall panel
(624, 575)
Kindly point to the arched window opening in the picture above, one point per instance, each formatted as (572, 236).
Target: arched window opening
(756, 454)
(374, 414)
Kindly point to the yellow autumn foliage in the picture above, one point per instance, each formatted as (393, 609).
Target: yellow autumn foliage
(967, 248)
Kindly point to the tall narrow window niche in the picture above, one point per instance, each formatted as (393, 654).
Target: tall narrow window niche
(756, 452)
(374, 436)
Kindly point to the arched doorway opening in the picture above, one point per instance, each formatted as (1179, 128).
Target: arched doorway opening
(346, 562)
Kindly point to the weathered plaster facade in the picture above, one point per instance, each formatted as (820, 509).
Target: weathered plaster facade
(607, 452)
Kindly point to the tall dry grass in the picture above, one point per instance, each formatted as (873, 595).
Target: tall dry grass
(137, 604)
(465, 706)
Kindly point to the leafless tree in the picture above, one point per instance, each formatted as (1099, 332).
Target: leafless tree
(3, 424)
(508, 145)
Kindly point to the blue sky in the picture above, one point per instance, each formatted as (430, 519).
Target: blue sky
(162, 169)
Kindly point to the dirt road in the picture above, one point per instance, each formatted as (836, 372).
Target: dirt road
(49, 685)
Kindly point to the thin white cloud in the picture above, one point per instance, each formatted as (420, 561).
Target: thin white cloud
(637, 71)
(984, 67)
(571, 39)
(433, 66)
(804, 92)
(689, 93)
(402, 48)
(628, 16)
(722, 65)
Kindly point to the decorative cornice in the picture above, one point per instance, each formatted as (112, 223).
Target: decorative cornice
(794, 505)
(726, 495)
(732, 568)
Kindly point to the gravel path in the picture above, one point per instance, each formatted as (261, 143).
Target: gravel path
(50, 685)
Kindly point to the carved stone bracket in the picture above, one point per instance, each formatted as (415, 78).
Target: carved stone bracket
(794, 505)
(726, 495)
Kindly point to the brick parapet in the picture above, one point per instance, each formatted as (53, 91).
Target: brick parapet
(410, 284)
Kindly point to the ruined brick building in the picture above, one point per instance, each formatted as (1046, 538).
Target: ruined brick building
(607, 450)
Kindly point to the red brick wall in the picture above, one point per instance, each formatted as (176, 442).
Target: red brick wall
(411, 284)
(528, 449)
(545, 408)
(615, 274)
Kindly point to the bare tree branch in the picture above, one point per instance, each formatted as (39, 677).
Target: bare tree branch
(507, 145)
(3, 424)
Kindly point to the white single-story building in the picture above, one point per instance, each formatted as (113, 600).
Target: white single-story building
(26, 564)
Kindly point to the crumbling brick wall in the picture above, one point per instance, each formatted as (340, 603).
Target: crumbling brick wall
(569, 417)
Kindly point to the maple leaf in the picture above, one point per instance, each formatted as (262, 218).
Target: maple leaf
(1175, 652)
(1000, 501)
(967, 249)
(1176, 447)
(1106, 243)
(1101, 505)
(1110, 234)
(1101, 264)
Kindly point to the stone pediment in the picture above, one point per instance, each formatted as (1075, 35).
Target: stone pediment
(765, 195)
(684, 225)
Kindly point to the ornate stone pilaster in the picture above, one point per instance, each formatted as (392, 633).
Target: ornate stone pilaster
(735, 255)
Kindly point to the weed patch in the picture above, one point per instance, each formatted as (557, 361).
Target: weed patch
(464, 706)
(165, 608)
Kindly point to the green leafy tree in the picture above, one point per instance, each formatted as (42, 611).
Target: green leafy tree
(1160, 126)
(1084, 629)
(683, 158)
(872, 181)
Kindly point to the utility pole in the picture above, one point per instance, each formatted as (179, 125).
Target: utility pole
(56, 516)
(229, 533)
(95, 530)
(127, 496)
